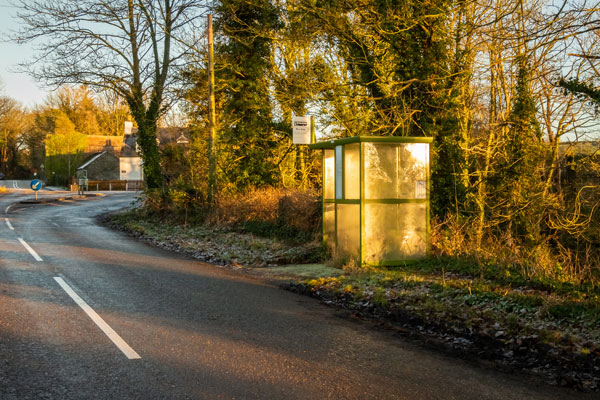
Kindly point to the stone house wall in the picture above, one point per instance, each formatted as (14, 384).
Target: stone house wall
(104, 168)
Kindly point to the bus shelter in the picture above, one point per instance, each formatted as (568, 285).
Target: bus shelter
(376, 198)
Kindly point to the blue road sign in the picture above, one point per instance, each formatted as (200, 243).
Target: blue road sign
(36, 184)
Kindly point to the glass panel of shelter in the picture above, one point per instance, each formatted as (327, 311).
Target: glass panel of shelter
(352, 171)
(395, 171)
(329, 174)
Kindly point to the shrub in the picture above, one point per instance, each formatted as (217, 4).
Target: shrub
(291, 215)
(545, 262)
(270, 211)
(300, 210)
(251, 205)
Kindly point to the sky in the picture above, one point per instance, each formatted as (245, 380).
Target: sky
(18, 86)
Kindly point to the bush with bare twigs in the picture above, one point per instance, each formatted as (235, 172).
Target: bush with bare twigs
(548, 260)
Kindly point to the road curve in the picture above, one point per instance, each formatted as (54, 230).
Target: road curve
(200, 331)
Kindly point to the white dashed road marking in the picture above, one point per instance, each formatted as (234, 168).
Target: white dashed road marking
(30, 250)
(112, 335)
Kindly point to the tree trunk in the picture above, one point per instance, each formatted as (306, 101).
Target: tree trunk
(147, 139)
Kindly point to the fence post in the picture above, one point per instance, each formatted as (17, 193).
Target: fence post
(110, 186)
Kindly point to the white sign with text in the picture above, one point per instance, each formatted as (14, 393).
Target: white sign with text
(301, 130)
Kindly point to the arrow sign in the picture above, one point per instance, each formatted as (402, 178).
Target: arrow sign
(36, 184)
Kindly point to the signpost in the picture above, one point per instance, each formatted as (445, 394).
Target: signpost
(35, 185)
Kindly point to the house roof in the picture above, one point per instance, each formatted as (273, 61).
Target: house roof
(96, 143)
(95, 158)
(125, 145)
(91, 160)
(182, 139)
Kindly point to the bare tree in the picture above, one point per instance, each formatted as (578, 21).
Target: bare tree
(126, 46)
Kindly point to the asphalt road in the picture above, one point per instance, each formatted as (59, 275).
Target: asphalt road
(14, 184)
(182, 329)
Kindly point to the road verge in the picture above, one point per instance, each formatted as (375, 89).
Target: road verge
(548, 329)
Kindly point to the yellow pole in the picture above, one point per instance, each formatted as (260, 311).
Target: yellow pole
(212, 134)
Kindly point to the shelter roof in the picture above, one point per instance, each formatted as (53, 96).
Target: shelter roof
(379, 139)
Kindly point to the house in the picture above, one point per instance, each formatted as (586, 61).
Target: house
(104, 166)
(116, 158)
(126, 145)
(130, 168)
(107, 165)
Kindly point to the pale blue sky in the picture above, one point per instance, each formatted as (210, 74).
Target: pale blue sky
(19, 86)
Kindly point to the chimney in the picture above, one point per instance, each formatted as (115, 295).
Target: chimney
(108, 147)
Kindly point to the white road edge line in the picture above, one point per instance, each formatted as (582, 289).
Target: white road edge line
(112, 335)
(9, 224)
(7, 208)
(30, 250)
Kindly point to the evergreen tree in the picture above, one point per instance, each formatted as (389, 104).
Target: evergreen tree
(246, 137)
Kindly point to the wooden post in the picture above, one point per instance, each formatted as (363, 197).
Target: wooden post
(212, 134)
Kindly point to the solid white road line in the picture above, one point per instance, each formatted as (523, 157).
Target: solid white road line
(9, 224)
(30, 250)
(112, 335)
(7, 208)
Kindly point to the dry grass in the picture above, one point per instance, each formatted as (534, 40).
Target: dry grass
(251, 205)
(300, 210)
(270, 212)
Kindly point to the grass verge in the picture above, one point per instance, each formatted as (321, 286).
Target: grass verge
(478, 310)
(546, 327)
(224, 245)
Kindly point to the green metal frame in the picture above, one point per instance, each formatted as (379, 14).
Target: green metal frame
(362, 204)
(331, 145)
(327, 201)
(362, 139)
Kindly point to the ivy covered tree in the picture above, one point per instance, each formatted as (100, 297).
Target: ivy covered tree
(400, 54)
(582, 89)
(246, 135)
(516, 182)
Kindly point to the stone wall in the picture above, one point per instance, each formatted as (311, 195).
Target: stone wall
(104, 168)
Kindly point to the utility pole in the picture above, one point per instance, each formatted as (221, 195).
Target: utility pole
(212, 134)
